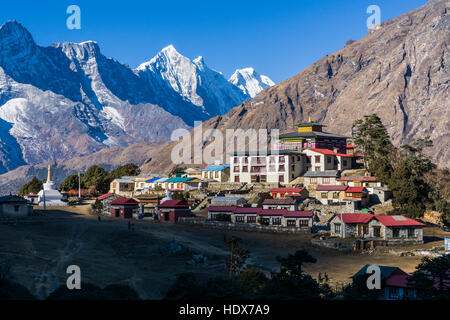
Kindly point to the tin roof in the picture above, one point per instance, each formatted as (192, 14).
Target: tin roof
(247, 210)
(105, 196)
(326, 174)
(178, 180)
(216, 168)
(355, 217)
(392, 221)
(324, 187)
(124, 201)
(221, 208)
(355, 189)
(299, 214)
(174, 204)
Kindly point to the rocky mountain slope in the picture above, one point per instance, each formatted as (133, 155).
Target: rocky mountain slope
(69, 99)
(401, 72)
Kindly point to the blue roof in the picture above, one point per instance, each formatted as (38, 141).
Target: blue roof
(153, 179)
(179, 179)
(216, 168)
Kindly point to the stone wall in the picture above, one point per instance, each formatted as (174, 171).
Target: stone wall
(241, 227)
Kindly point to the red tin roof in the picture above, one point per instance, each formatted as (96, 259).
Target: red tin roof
(105, 196)
(247, 210)
(174, 204)
(124, 201)
(221, 208)
(355, 217)
(276, 212)
(355, 189)
(358, 178)
(299, 214)
(324, 187)
(392, 221)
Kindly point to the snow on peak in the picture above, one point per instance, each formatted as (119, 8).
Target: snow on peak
(250, 81)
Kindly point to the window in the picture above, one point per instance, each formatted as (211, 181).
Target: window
(396, 233)
(304, 223)
(236, 179)
(317, 159)
(328, 159)
(263, 178)
(240, 219)
(276, 221)
(236, 160)
(344, 163)
(335, 195)
(410, 232)
(291, 223)
(281, 178)
(281, 159)
(16, 208)
(313, 181)
(376, 232)
(365, 230)
(324, 195)
(245, 169)
(251, 219)
(393, 292)
(337, 228)
(326, 180)
(217, 174)
(317, 168)
(236, 169)
(281, 168)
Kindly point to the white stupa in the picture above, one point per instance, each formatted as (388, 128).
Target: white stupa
(50, 196)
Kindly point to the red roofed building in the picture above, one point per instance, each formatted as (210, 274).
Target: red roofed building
(246, 215)
(124, 208)
(280, 193)
(357, 194)
(298, 219)
(106, 200)
(327, 159)
(397, 229)
(221, 213)
(171, 210)
(349, 225)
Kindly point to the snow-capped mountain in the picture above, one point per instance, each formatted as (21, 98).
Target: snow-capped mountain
(193, 80)
(250, 81)
(70, 100)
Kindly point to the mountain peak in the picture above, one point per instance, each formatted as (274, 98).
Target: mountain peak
(13, 34)
(250, 81)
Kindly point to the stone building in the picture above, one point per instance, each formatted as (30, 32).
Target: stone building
(14, 207)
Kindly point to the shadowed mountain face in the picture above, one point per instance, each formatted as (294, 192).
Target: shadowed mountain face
(401, 72)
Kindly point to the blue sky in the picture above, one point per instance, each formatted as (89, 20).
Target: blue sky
(278, 38)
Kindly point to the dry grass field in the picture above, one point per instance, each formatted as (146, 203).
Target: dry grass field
(40, 249)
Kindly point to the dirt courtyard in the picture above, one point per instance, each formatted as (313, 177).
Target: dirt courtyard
(40, 249)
